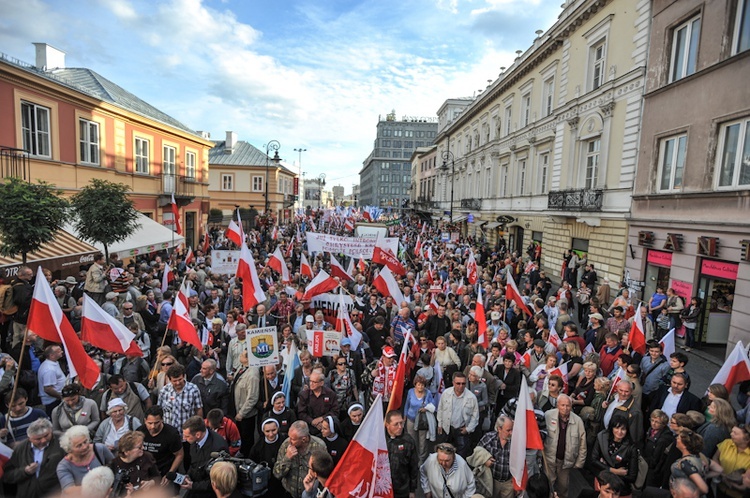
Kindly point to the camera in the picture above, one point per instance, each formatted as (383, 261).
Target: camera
(120, 484)
(252, 478)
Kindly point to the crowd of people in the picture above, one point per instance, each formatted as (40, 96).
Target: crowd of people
(621, 421)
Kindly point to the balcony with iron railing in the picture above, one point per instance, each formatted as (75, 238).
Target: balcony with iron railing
(589, 200)
(14, 163)
(180, 186)
(425, 203)
(475, 204)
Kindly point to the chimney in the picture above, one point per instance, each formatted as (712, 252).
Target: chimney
(204, 134)
(231, 142)
(48, 57)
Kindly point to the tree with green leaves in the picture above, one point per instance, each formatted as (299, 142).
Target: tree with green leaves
(104, 213)
(31, 215)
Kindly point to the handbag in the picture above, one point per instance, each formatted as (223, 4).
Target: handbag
(421, 419)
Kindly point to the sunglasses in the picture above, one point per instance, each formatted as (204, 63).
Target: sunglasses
(126, 309)
(448, 448)
(167, 364)
(341, 364)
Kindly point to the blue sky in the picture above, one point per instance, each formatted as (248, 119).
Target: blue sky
(310, 74)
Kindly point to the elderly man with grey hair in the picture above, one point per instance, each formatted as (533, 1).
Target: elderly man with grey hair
(291, 465)
(565, 446)
(213, 388)
(97, 483)
(497, 443)
(236, 346)
(33, 465)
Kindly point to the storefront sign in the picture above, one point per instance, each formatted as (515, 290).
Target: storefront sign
(708, 246)
(683, 289)
(660, 258)
(674, 242)
(646, 239)
(720, 269)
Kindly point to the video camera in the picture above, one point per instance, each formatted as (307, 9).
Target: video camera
(252, 478)
(122, 479)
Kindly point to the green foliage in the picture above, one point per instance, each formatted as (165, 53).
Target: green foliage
(31, 214)
(104, 213)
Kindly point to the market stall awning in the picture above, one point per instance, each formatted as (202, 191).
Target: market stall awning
(149, 237)
(64, 252)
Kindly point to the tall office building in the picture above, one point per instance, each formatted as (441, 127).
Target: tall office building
(385, 177)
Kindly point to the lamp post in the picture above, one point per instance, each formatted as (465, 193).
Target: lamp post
(274, 146)
(321, 184)
(302, 176)
(448, 155)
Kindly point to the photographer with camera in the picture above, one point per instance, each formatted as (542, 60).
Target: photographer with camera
(134, 468)
(202, 442)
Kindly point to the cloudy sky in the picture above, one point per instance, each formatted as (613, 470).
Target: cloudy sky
(313, 74)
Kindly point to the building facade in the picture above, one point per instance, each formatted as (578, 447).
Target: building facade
(316, 196)
(75, 125)
(237, 176)
(424, 170)
(547, 152)
(690, 221)
(385, 177)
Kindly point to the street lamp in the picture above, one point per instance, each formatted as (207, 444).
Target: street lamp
(301, 174)
(274, 146)
(448, 155)
(321, 184)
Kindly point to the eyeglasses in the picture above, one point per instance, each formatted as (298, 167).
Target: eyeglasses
(448, 448)
(167, 364)
(128, 309)
(341, 364)
(423, 340)
(459, 383)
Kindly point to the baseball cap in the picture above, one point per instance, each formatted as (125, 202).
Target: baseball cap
(495, 315)
(345, 342)
(389, 352)
(309, 319)
(540, 343)
(598, 316)
(111, 295)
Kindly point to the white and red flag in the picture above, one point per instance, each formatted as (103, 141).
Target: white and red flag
(418, 246)
(383, 256)
(511, 293)
(345, 326)
(190, 256)
(428, 253)
(736, 368)
(304, 266)
(289, 249)
(637, 335)
(616, 380)
(461, 287)
(562, 371)
(166, 277)
(386, 284)
(397, 393)
(349, 224)
(275, 233)
(206, 240)
(481, 318)
(5, 454)
(338, 271)
(180, 321)
(102, 330)
(554, 339)
(276, 262)
(362, 265)
(667, 343)
(526, 359)
(471, 269)
(364, 470)
(589, 349)
(176, 216)
(322, 283)
(234, 233)
(525, 436)
(252, 292)
(47, 320)
(433, 303)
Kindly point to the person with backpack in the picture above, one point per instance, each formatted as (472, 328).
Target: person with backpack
(22, 292)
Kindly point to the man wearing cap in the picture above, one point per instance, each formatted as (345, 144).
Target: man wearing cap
(537, 355)
(110, 304)
(384, 375)
(316, 403)
(494, 324)
(303, 332)
(595, 334)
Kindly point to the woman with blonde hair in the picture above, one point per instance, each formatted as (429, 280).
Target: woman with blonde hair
(719, 427)
(162, 364)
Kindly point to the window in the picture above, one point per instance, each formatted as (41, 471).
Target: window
(386, 143)
(734, 147)
(406, 178)
(141, 155)
(741, 40)
(394, 178)
(227, 182)
(257, 184)
(521, 176)
(408, 144)
(89, 141)
(543, 172)
(35, 129)
(592, 163)
(548, 97)
(672, 162)
(384, 166)
(597, 55)
(685, 49)
(488, 183)
(504, 180)
(525, 109)
(190, 165)
(169, 160)
(508, 116)
(409, 133)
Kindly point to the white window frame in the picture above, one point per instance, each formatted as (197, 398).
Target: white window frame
(597, 65)
(508, 118)
(526, 109)
(742, 149)
(504, 180)
(548, 97)
(591, 181)
(36, 129)
(672, 150)
(743, 13)
(227, 182)
(142, 155)
(522, 172)
(686, 52)
(190, 158)
(89, 141)
(543, 172)
(169, 160)
(256, 184)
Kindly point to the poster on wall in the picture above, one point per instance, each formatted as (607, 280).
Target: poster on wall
(262, 347)
(224, 262)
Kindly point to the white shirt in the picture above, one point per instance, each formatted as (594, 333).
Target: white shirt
(671, 402)
(50, 374)
(611, 409)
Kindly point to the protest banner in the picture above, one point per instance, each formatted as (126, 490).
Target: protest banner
(262, 347)
(355, 247)
(326, 343)
(328, 303)
(224, 262)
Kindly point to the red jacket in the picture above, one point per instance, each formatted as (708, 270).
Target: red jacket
(230, 433)
(607, 361)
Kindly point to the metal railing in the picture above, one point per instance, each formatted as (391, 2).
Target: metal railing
(181, 186)
(14, 163)
(471, 203)
(575, 200)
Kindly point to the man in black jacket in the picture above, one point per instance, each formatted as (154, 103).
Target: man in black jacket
(676, 398)
(23, 292)
(203, 442)
(403, 456)
(31, 479)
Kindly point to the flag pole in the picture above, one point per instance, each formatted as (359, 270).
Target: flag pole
(18, 376)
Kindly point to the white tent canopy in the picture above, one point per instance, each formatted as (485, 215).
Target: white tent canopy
(150, 236)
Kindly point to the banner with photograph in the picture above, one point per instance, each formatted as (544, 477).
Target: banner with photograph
(329, 304)
(354, 247)
(262, 347)
(326, 343)
(224, 262)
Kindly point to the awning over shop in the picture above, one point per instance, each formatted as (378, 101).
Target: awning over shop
(65, 252)
(149, 237)
(491, 225)
(459, 218)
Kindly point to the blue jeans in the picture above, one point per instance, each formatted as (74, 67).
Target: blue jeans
(689, 337)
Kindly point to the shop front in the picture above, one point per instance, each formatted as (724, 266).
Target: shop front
(717, 283)
(658, 269)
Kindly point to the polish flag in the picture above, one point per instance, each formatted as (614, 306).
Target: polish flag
(166, 277)
(511, 292)
(313, 228)
(525, 436)
(383, 256)
(206, 240)
(338, 271)
(322, 283)
(481, 318)
(616, 380)
(637, 335)
(397, 393)
(364, 470)
(366, 215)
(5, 454)
(345, 326)
(562, 371)
(526, 359)
(667, 343)
(234, 233)
(304, 267)
(461, 287)
(428, 254)
(190, 257)
(298, 236)
(362, 265)
(418, 246)
(736, 368)
(386, 284)
(180, 321)
(176, 216)
(589, 349)
(276, 262)
(554, 339)
(275, 233)
(252, 292)
(430, 276)
(102, 330)
(289, 249)
(349, 224)
(471, 269)
(434, 304)
(47, 320)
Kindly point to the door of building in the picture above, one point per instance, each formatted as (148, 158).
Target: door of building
(190, 228)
